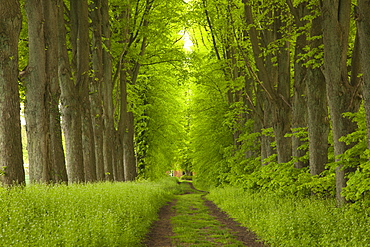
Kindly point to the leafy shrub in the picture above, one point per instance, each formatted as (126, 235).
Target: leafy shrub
(285, 179)
(281, 178)
(357, 158)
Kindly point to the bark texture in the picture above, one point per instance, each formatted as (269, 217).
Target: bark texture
(70, 107)
(341, 94)
(318, 121)
(274, 80)
(36, 107)
(127, 133)
(108, 108)
(57, 158)
(299, 100)
(80, 24)
(11, 159)
(363, 24)
(96, 98)
(124, 77)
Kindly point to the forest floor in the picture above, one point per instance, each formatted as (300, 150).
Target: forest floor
(192, 220)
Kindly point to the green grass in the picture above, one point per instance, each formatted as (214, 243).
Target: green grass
(293, 221)
(102, 214)
(193, 225)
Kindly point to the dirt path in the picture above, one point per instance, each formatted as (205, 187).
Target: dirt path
(192, 220)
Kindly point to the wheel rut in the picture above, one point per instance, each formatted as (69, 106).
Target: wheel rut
(192, 220)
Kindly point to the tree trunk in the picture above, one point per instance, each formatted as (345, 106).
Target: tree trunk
(318, 121)
(274, 81)
(124, 75)
(109, 129)
(57, 159)
(70, 107)
(36, 107)
(266, 149)
(129, 75)
(299, 104)
(129, 160)
(96, 98)
(258, 120)
(11, 158)
(281, 125)
(118, 169)
(127, 132)
(79, 11)
(283, 109)
(341, 94)
(363, 24)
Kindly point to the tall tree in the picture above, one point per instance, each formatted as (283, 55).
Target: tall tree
(123, 70)
(36, 107)
(310, 86)
(11, 158)
(342, 93)
(135, 40)
(127, 129)
(274, 80)
(317, 105)
(109, 130)
(299, 105)
(46, 154)
(363, 25)
(96, 97)
(80, 25)
(57, 158)
(70, 107)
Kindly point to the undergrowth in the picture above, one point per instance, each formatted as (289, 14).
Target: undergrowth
(102, 214)
(295, 221)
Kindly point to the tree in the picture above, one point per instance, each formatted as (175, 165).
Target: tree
(108, 108)
(299, 101)
(310, 85)
(96, 86)
(70, 107)
(127, 165)
(135, 40)
(81, 52)
(318, 121)
(342, 92)
(11, 158)
(274, 80)
(57, 159)
(363, 25)
(47, 163)
(36, 107)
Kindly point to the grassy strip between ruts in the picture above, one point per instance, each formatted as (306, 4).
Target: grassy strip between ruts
(294, 221)
(102, 214)
(193, 225)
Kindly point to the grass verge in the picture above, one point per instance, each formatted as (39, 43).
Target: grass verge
(102, 214)
(293, 221)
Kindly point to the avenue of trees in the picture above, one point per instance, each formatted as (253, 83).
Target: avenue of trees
(99, 81)
(282, 98)
(275, 94)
